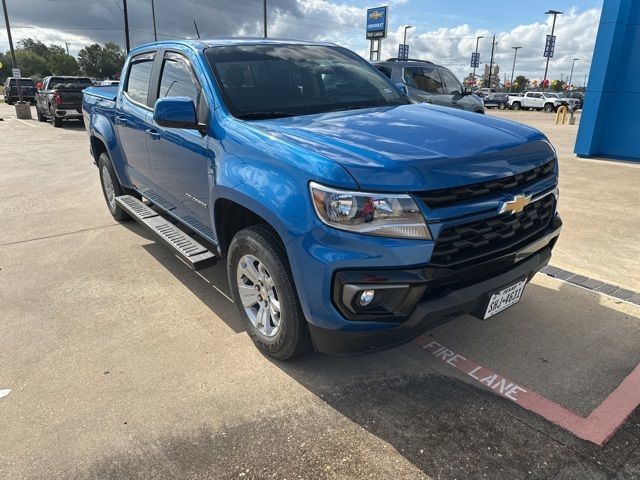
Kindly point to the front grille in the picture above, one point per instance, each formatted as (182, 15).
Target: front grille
(449, 196)
(458, 244)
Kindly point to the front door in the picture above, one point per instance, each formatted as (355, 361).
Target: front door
(425, 85)
(180, 158)
(132, 115)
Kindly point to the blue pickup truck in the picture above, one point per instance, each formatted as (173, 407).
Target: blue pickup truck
(349, 218)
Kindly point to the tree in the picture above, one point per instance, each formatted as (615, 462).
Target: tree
(31, 64)
(5, 70)
(101, 62)
(34, 46)
(520, 83)
(63, 64)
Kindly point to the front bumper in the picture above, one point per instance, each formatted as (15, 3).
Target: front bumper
(443, 295)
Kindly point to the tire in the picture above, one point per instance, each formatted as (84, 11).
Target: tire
(284, 334)
(111, 188)
(515, 106)
(57, 122)
(502, 106)
(9, 102)
(41, 117)
(548, 107)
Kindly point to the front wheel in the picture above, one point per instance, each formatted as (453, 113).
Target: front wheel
(264, 293)
(111, 187)
(548, 108)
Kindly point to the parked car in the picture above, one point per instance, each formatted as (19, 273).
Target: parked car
(109, 82)
(27, 87)
(549, 102)
(60, 98)
(430, 83)
(579, 96)
(485, 91)
(497, 100)
(349, 218)
(571, 102)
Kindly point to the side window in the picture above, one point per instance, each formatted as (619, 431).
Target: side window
(385, 70)
(137, 87)
(426, 79)
(177, 80)
(451, 83)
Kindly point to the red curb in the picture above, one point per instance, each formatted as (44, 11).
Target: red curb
(598, 427)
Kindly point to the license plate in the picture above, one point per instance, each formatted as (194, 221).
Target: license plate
(504, 299)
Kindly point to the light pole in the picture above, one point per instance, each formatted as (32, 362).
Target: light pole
(264, 13)
(153, 16)
(555, 13)
(493, 47)
(474, 68)
(513, 69)
(572, 65)
(405, 33)
(126, 25)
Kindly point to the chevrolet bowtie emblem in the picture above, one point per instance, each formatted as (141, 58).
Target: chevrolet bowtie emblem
(375, 15)
(516, 205)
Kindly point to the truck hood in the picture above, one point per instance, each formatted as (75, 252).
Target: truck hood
(415, 147)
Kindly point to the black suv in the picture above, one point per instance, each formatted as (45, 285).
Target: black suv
(430, 83)
(27, 87)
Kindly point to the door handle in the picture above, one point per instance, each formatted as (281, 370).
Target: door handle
(120, 120)
(153, 133)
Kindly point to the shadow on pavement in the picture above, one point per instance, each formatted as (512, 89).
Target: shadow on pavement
(446, 428)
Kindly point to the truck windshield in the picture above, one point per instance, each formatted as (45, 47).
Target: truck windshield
(269, 81)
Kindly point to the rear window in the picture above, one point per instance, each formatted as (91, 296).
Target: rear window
(24, 82)
(59, 83)
(138, 81)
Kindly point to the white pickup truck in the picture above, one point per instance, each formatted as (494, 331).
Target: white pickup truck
(547, 101)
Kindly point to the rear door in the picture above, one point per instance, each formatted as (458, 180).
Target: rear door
(132, 115)
(180, 159)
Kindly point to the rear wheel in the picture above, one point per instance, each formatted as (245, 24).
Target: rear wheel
(264, 293)
(41, 117)
(502, 106)
(516, 106)
(111, 187)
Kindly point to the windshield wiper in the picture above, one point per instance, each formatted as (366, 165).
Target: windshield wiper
(264, 115)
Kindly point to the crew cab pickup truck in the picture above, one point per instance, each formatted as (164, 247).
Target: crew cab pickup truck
(27, 89)
(546, 101)
(60, 98)
(349, 218)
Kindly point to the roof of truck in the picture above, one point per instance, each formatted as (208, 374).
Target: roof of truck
(199, 43)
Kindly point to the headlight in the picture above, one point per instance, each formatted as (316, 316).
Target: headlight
(381, 214)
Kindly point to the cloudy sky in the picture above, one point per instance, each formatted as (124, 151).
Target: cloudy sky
(444, 31)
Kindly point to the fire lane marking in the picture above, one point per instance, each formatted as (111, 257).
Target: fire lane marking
(598, 427)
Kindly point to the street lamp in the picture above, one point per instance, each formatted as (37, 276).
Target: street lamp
(572, 65)
(555, 13)
(515, 55)
(405, 33)
(474, 67)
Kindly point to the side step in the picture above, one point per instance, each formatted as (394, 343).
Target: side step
(186, 248)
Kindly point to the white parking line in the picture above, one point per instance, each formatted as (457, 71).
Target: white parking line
(22, 121)
(4, 392)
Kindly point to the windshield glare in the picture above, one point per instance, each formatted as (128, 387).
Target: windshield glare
(265, 81)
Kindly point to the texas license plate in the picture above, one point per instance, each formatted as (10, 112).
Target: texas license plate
(505, 298)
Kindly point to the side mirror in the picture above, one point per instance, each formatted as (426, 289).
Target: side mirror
(176, 112)
(467, 91)
(403, 88)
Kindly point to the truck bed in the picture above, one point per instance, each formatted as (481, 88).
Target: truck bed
(104, 92)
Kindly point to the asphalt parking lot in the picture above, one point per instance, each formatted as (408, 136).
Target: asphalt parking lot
(120, 362)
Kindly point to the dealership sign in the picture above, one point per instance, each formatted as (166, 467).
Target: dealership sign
(377, 23)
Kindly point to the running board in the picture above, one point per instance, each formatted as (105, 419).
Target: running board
(195, 255)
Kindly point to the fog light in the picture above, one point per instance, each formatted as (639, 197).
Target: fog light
(366, 297)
